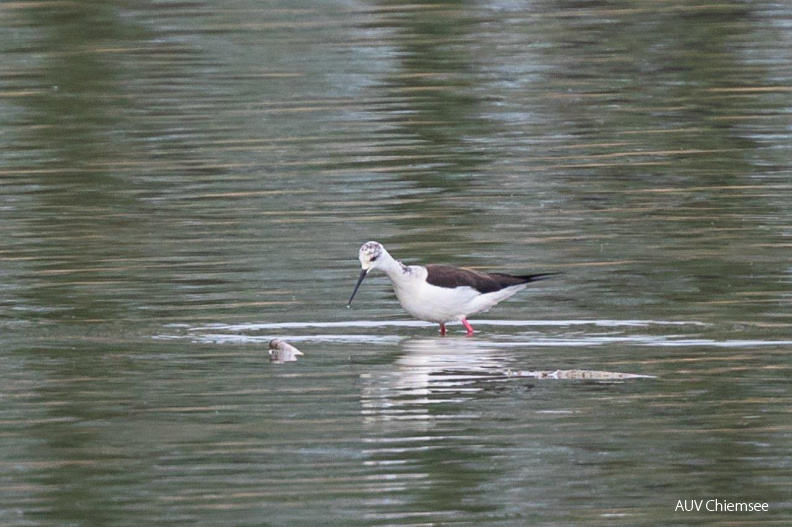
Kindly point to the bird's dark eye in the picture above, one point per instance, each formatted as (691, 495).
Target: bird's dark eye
(374, 258)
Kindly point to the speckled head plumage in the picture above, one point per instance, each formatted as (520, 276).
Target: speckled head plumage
(370, 253)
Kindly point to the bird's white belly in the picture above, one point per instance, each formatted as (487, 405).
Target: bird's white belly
(436, 304)
(432, 303)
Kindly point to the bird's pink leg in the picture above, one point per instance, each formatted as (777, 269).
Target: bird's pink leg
(467, 326)
(442, 330)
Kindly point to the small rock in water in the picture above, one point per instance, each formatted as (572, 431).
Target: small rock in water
(281, 351)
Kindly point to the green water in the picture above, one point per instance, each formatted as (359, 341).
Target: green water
(182, 182)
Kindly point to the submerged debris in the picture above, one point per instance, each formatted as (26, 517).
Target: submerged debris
(281, 351)
(578, 374)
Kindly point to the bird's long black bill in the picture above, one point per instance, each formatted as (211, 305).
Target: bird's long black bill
(363, 273)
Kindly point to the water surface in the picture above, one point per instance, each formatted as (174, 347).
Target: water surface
(182, 182)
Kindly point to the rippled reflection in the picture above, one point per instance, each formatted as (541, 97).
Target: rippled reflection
(418, 419)
(430, 371)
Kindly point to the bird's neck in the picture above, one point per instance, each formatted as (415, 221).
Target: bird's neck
(395, 270)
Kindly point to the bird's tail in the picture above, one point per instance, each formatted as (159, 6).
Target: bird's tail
(535, 277)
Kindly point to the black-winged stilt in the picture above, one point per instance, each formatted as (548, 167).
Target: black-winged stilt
(441, 293)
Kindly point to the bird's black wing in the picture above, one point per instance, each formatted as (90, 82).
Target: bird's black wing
(451, 277)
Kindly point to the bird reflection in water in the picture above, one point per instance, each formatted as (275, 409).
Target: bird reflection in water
(429, 372)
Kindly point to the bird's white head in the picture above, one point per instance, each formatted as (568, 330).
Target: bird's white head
(371, 255)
